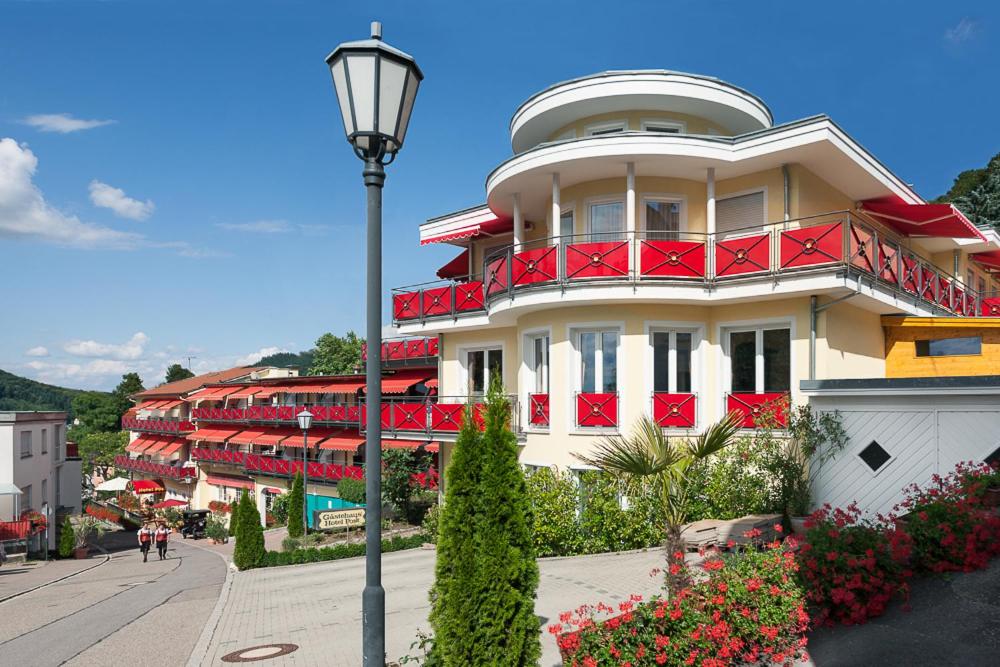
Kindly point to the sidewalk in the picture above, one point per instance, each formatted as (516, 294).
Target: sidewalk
(20, 578)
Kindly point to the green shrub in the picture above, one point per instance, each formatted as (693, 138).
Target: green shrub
(290, 544)
(421, 503)
(67, 541)
(338, 551)
(279, 508)
(554, 503)
(296, 498)
(351, 490)
(215, 528)
(249, 551)
(606, 526)
(234, 516)
(398, 468)
(431, 521)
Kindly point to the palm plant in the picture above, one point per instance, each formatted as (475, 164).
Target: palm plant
(649, 459)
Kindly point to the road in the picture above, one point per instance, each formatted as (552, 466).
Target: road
(122, 612)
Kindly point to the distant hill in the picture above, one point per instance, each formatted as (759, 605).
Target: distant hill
(977, 193)
(19, 393)
(303, 360)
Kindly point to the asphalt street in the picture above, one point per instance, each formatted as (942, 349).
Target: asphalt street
(122, 612)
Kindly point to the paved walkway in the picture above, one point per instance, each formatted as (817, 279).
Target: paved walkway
(318, 606)
(15, 579)
(122, 612)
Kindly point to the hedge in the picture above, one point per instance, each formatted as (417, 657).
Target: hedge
(339, 551)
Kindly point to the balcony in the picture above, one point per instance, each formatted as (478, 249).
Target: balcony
(272, 465)
(675, 410)
(169, 426)
(842, 244)
(759, 410)
(283, 415)
(123, 462)
(538, 411)
(401, 352)
(597, 410)
(229, 456)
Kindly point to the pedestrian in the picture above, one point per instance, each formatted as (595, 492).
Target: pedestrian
(145, 540)
(162, 532)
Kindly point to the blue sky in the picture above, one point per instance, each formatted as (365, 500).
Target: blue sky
(174, 178)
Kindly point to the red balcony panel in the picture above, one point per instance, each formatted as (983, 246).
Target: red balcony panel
(469, 296)
(534, 266)
(416, 348)
(395, 350)
(759, 409)
(990, 307)
(496, 275)
(336, 413)
(888, 262)
(406, 306)
(353, 413)
(538, 407)
(944, 293)
(968, 305)
(269, 412)
(282, 466)
(811, 246)
(596, 410)
(863, 253)
(316, 470)
(320, 413)
(409, 416)
(432, 347)
(437, 301)
(910, 280)
(929, 280)
(355, 472)
(252, 462)
(604, 259)
(740, 256)
(674, 410)
(215, 413)
(673, 259)
(446, 416)
(286, 412)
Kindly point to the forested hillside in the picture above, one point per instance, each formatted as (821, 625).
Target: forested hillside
(19, 393)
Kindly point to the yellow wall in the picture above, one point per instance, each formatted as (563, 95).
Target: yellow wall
(634, 119)
(901, 359)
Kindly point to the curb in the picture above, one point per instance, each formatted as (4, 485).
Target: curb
(106, 558)
(200, 650)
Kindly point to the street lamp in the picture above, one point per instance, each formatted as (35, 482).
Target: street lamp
(376, 86)
(305, 421)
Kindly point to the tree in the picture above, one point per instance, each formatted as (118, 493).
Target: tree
(177, 372)
(249, 551)
(296, 498)
(398, 468)
(131, 384)
(649, 457)
(483, 600)
(334, 355)
(67, 540)
(96, 411)
(98, 451)
(234, 515)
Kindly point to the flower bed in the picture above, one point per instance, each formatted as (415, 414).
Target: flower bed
(338, 551)
(219, 506)
(745, 608)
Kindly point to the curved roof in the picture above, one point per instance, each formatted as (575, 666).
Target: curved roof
(730, 106)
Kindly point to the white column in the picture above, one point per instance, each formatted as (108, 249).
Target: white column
(710, 219)
(630, 225)
(518, 222)
(556, 206)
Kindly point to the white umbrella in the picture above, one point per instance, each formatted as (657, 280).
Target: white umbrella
(115, 484)
(8, 489)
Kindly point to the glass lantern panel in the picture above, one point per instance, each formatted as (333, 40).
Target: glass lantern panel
(343, 97)
(392, 80)
(361, 69)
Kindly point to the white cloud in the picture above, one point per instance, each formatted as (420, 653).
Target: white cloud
(131, 349)
(258, 227)
(106, 196)
(962, 32)
(63, 123)
(93, 373)
(254, 357)
(38, 351)
(25, 214)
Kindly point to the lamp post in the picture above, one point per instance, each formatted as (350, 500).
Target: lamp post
(305, 421)
(376, 85)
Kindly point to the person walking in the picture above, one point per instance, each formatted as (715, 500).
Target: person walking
(145, 540)
(162, 532)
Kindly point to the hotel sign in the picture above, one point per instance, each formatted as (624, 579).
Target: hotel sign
(334, 519)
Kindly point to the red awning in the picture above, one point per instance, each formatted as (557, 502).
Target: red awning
(170, 405)
(307, 388)
(244, 392)
(343, 441)
(937, 220)
(150, 405)
(157, 445)
(344, 386)
(146, 486)
(230, 481)
(172, 447)
(399, 382)
(173, 502)
(212, 393)
(403, 444)
(315, 435)
(456, 268)
(213, 434)
(139, 444)
(433, 447)
(248, 437)
(273, 436)
(990, 258)
(432, 383)
(271, 489)
(488, 227)
(269, 391)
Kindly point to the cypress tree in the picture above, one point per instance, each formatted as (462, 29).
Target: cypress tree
(249, 551)
(67, 540)
(453, 612)
(234, 515)
(296, 497)
(507, 630)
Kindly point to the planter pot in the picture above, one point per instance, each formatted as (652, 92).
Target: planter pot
(798, 524)
(81, 552)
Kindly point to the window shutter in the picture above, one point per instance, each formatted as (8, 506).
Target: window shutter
(739, 213)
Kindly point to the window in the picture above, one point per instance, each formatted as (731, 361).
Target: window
(970, 279)
(539, 363)
(945, 347)
(672, 361)
(664, 126)
(26, 498)
(481, 366)
(607, 221)
(25, 444)
(743, 213)
(605, 128)
(45, 492)
(57, 441)
(760, 361)
(662, 219)
(982, 286)
(45, 442)
(566, 224)
(598, 361)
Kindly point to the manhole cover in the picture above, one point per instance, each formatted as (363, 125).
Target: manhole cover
(262, 652)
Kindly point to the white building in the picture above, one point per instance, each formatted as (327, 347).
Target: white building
(33, 458)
